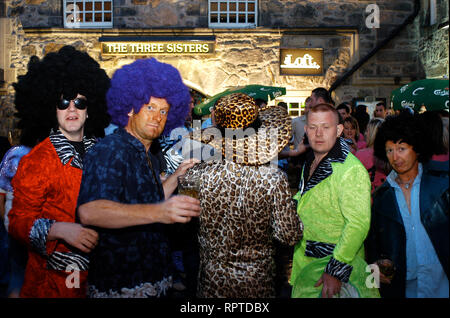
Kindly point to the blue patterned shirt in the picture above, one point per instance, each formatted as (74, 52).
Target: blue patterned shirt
(132, 261)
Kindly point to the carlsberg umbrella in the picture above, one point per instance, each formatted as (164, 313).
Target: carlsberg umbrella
(431, 93)
(255, 91)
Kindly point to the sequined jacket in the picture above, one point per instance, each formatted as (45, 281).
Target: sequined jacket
(8, 168)
(46, 188)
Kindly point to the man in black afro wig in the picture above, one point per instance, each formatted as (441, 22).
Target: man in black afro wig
(62, 74)
(62, 96)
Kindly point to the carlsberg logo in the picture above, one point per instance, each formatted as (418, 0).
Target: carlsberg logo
(441, 92)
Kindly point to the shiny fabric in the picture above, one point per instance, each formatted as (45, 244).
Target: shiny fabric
(8, 168)
(388, 238)
(171, 147)
(334, 205)
(242, 209)
(45, 189)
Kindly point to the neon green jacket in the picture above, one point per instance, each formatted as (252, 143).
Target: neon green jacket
(334, 205)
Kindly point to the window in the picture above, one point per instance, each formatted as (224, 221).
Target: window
(233, 13)
(88, 14)
(294, 109)
(295, 105)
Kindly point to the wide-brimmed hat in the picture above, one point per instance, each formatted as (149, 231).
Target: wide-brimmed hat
(245, 133)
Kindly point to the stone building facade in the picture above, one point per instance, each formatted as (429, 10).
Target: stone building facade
(347, 31)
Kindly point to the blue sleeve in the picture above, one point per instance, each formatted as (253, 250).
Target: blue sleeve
(9, 164)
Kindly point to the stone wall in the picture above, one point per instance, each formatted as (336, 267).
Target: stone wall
(245, 56)
(36, 13)
(433, 41)
(194, 13)
(419, 51)
(160, 13)
(11, 44)
(145, 14)
(239, 59)
(127, 13)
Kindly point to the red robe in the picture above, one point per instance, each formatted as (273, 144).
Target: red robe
(45, 190)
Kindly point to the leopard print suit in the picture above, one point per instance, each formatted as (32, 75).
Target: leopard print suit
(242, 209)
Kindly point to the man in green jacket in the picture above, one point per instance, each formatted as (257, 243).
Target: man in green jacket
(334, 204)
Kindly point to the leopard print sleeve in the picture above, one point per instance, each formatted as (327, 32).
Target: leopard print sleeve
(286, 224)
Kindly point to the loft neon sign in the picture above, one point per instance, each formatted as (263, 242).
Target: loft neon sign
(301, 62)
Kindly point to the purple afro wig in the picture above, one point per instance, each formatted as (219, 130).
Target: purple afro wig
(132, 86)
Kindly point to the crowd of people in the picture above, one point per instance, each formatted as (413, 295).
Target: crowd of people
(332, 203)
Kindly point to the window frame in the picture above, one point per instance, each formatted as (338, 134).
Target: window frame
(84, 24)
(295, 104)
(227, 12)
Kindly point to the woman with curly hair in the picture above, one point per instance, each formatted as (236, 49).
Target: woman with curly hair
(64, 94)
(408, 236)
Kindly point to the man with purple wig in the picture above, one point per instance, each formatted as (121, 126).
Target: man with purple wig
(121, 194)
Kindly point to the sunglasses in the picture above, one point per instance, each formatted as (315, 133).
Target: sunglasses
(80, 103)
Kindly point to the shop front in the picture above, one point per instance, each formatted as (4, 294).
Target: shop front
(211, 62)
(218, 44)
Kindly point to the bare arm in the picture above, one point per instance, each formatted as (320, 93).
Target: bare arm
(113, 215)
(301, 148)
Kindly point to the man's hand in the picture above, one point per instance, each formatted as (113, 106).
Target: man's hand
(331, 285)
(179, 209)
(386, 270)
(171, 182)
(301, 148)
(384, 279)
(75, 235)
(184, 166)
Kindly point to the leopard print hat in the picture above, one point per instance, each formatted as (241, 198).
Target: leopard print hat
(243, 145)
(235, 111)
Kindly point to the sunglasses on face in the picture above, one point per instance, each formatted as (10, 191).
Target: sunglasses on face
(80, 103)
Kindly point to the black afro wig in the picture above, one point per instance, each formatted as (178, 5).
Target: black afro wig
(67, 73)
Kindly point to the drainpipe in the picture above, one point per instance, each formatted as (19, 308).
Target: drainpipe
(379, 46)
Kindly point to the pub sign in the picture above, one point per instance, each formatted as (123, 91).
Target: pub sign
(306, 62)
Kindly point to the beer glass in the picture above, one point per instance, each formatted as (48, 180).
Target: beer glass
(189, 186)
